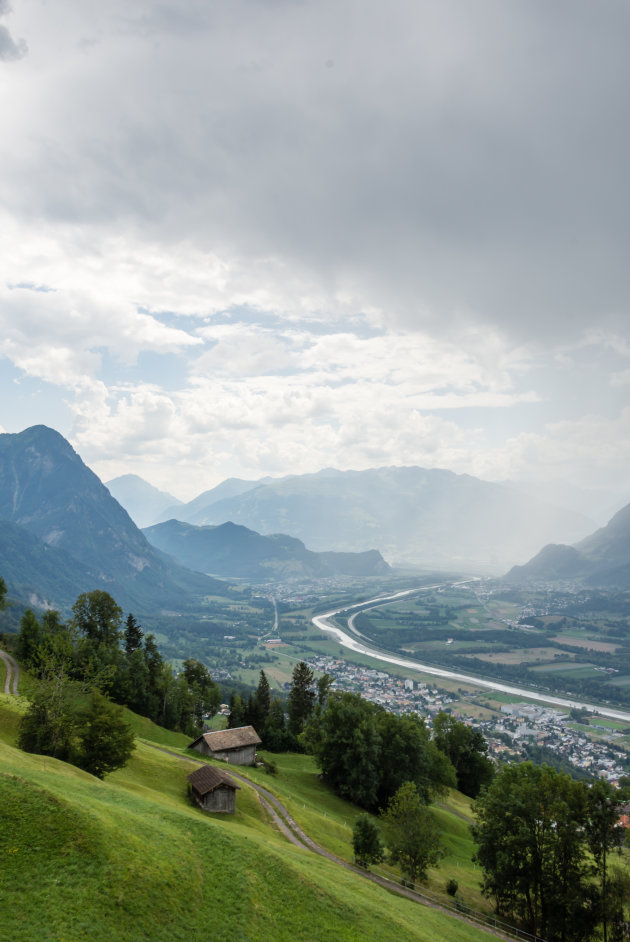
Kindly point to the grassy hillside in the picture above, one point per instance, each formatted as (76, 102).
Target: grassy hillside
(130, 859)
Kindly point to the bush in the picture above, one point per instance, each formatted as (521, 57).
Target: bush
(452, 887)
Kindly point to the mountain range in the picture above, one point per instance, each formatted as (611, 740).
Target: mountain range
(62, 533)
(235, 551)
(433, 518)
(600, 560)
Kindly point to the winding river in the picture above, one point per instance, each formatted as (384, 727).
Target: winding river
(362, 645)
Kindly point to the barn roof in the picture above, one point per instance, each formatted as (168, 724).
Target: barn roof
(221, 739)
(206, 779)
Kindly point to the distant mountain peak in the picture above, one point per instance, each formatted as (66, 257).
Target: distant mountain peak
(601, 559)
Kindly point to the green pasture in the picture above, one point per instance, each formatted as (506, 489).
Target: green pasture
(129, 858)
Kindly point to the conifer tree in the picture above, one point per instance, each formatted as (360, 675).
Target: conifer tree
(301, 697)
(133, 635)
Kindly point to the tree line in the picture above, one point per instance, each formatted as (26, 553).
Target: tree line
(546, 847)
(86, 668)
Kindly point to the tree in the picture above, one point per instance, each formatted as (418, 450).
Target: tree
(603, 835)
(408, 755)
(47, 728)
(324, 683)
(203, 691)
(133, 635)
(106, 741)
(262, 706)
(276, 739)
(98, 618)
(366, 842)
(3, 594)
(238, 708)
(301, 697)
(347, 747)
(531, 846)
(29, 638)
(411, 833)
(467, 750)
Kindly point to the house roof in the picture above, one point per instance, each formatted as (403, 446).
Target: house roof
(206, 779)
(221, 739)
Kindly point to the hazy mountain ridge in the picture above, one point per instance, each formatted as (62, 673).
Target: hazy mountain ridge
(47, 490)
(233, 550)
(143, 502)
(601, 559)
(433, 517)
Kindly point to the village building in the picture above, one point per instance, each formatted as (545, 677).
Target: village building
(237, 746)
(213, 789)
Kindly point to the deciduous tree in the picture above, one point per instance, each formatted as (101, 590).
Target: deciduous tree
(530, 831)
(604, 834)
(467, 750)
(411, 833)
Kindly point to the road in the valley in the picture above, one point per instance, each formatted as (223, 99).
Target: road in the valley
(362, 645)
(13, 673)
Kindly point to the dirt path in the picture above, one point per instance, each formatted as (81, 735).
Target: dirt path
(13, 673)
(294, 833)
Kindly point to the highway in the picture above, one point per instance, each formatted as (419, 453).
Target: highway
(362, 645)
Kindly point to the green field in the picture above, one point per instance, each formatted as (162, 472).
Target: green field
(131, 859)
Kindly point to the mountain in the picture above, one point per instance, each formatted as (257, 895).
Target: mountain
(235, 551)
(144, 503)
(194, 511)
(63, 514)
(602, 559)
(429, 517)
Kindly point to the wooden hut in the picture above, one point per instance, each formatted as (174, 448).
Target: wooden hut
(213, 790)
(237, 746)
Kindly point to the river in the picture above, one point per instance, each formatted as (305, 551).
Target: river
(359, 643)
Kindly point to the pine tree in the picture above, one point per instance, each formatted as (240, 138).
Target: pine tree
(133, 635)
(263, 702)
(301, 697)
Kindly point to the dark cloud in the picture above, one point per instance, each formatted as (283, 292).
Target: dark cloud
(459, 157)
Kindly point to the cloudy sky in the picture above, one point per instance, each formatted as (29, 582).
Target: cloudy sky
(270, 236)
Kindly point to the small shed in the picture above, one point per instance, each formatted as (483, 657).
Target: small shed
(213, 790)
(237, 746)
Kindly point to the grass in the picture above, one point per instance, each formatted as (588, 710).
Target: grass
(330, 820)
(131, 859)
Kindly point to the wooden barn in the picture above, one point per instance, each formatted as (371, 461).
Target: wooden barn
(213, 790)
(237, 746)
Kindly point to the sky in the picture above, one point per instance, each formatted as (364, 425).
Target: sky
(263, 237)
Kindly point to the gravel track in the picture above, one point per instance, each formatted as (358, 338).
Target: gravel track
(13, 674)
(294, 833)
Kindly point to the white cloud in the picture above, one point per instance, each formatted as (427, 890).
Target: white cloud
(348, 233)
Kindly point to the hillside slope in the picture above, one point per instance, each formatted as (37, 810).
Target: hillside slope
(131, 859)
(600, 560)
(47, 490)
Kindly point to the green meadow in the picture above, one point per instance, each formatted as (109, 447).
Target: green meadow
(129, 858)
